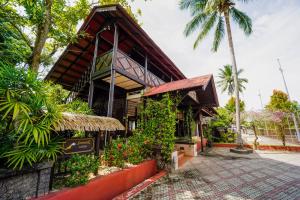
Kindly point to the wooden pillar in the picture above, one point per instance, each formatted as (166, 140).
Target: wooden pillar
(113, 72)
(91, 89)
(201, 130)
(97, 143)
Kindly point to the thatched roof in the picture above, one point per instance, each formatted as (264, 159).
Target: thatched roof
(80, 122)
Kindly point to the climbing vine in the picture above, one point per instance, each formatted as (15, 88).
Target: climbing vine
(158, 123)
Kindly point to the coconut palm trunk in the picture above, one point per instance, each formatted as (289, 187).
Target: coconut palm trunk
(235, 78)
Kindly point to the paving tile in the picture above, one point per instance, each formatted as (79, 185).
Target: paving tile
(214, 177)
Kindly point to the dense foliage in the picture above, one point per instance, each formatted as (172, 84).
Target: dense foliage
(158, 122)
(27, 118)
(279, 101)
(155, 132)
(79, 168)
(32, 32)
(134, 150)
(230, 106)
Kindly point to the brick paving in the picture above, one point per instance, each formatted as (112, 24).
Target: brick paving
(224, 175)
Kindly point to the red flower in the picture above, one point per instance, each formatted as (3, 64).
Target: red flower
(125, 154)
(111, 158)
(119, 146)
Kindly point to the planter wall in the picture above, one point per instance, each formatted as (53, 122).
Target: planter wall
(199, 144)
(28, 183)
(108, 187)
(261, 147)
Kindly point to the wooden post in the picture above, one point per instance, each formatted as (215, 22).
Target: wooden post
(91, 89)
(97, 144)
(201, 130)
(112, 73)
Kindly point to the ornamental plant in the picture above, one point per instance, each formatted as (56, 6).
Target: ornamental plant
(158, 123)
(27, 117)
(79, 167)
(115, 154)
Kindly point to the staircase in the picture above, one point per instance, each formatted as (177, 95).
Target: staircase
(78, 87)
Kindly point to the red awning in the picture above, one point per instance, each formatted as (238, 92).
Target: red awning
(203, 86)
(180, 85)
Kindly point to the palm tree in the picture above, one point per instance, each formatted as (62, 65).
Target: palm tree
(212, 13)
(226, 82)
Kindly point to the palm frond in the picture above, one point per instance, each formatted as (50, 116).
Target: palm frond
(195, 23)
(219, 34)
(206, 27)
(242, 20)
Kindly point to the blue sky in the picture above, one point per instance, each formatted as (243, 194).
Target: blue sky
(276, 34)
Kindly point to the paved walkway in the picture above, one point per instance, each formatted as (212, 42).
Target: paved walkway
(223, 175)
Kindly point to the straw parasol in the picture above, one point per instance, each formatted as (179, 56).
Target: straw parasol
(80, 122)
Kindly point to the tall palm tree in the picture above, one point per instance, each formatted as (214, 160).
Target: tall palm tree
(226, 82)
(212, 13)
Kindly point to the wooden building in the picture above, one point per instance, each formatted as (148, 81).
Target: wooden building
(116, 64)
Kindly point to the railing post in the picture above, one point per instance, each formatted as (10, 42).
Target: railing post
(91, 89)
(112, 73)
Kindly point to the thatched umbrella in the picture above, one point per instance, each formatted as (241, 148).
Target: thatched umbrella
(80, 122)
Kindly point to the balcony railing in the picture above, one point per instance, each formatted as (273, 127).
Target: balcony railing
(130, 66)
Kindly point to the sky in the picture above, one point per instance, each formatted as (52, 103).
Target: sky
(276, 34)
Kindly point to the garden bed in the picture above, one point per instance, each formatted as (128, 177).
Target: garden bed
(109, 186)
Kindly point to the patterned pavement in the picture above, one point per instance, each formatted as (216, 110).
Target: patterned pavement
(223, 175)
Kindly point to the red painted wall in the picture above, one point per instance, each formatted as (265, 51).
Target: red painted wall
(199, 144)
(108, 187)
(261, 147)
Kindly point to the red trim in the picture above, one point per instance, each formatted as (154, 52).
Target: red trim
(199, 144)
(107, 187)
(261, 147)
(140, 187)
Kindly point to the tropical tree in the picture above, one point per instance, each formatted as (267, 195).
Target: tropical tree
(279, 101)
(216, 13)
(226, 82)
(230, 106)
(33, 31)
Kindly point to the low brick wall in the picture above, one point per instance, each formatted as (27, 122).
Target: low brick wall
(188, 149)
(28, 183)
(261, 147)
(108, 187)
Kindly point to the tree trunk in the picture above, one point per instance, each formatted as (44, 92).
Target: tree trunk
(235, 78)
(41, 37)
(255, 143)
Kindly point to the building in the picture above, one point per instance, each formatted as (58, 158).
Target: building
(116, 64)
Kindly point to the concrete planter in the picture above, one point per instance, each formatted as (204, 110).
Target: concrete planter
(108, 187)
(26, 183)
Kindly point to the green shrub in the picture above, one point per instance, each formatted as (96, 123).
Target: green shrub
(79, 167)
(27, 119)
(115, 154)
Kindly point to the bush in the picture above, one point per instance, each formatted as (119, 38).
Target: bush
(79, 167)
(135, 150)
(115, 153)
(27, 119)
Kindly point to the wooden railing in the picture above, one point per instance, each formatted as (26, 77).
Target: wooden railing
(134, 68)
(124, 62)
